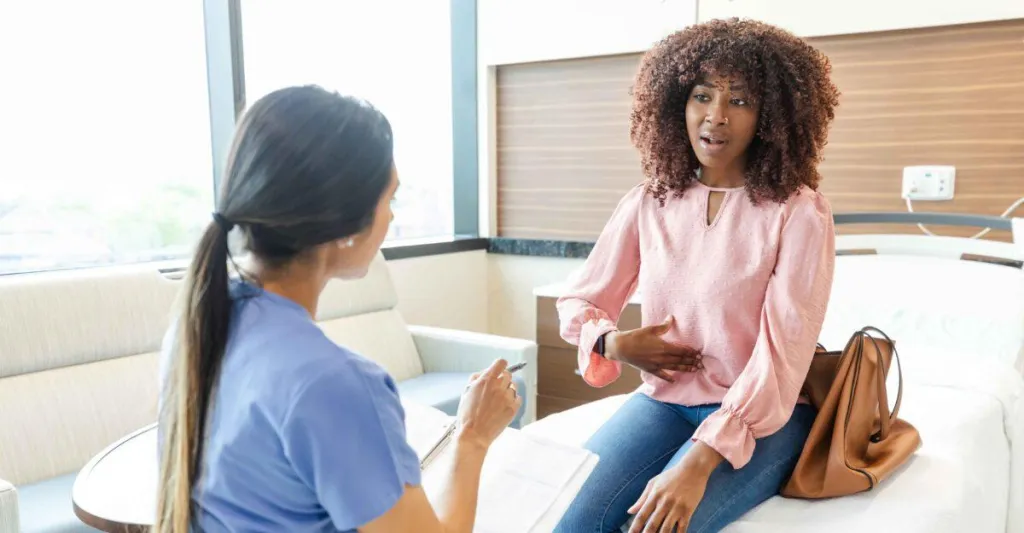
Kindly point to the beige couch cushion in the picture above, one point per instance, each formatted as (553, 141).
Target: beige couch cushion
(53, 422)
(382, 337)
(59, 319)
(77, 364)
(374, 292)
(361, 316)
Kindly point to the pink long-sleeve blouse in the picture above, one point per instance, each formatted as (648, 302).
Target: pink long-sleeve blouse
(748, 291)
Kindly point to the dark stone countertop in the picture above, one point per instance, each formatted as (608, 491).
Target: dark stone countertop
(540, 248)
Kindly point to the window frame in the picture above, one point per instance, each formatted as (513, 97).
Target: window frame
(225, 69)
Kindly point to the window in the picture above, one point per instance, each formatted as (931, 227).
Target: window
(108, 153)
(105, 131)
(396, 54)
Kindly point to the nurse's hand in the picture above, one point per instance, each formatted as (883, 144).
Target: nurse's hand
(489, 405)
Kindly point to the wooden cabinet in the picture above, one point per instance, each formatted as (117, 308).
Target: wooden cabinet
(559, 385)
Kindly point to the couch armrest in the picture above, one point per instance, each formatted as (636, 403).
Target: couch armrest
(449, 350)
(8, 508)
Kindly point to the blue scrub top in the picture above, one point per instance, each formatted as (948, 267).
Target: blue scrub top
(304, 435)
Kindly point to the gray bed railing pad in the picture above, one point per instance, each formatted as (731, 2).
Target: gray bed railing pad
(938, 219)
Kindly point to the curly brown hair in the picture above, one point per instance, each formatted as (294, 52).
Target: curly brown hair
(786, 75)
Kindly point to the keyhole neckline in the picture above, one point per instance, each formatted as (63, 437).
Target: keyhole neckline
(706, 203)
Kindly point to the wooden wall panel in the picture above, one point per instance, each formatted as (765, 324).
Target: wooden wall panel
(946, 96)
(564, 156)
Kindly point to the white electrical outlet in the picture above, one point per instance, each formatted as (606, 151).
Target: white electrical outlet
(928, 183)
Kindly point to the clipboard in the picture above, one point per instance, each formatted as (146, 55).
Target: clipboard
(438, 447)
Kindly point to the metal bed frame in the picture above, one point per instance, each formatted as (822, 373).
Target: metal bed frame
(921, 244)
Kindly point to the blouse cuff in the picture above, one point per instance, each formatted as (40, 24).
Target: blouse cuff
(595, 369)
(728, 434)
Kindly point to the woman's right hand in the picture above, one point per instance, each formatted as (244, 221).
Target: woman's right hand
(489, 404)
(646, 349)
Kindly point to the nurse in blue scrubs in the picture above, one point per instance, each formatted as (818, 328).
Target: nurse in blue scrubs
(265, 424)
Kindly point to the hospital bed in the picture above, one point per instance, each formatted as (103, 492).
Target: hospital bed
(959, 329)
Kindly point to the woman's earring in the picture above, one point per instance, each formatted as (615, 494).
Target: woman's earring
(347, 244)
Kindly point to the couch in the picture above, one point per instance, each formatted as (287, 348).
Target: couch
(78, 370)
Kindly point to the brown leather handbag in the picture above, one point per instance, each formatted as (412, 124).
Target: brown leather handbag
(855, 442)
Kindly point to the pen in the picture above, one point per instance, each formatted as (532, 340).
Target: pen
(511, 370)
(451, 427)
(516, 367)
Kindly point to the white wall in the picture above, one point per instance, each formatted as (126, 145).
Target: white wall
(476, 291)
(512, 307)
(446, 290)
(522, 31)
(810, 18)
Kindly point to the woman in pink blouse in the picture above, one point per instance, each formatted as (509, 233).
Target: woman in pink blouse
(731, 249)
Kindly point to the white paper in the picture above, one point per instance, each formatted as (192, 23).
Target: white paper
(521, 479)
(522, 476)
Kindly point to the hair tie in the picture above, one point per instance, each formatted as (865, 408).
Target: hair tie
(224, 224)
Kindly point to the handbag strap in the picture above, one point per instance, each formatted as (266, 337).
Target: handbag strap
(887, 417)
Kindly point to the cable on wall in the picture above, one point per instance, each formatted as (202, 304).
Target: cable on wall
(1009, 210)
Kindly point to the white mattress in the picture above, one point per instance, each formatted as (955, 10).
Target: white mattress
(959, 481)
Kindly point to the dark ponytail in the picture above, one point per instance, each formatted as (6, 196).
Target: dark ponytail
(306, 167)
(202, 335)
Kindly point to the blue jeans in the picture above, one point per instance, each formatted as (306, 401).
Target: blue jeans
(646, 436)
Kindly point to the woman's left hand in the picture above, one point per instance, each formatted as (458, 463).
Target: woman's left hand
(671, 497)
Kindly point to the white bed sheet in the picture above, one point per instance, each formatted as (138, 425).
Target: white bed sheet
(959, 481)
(963, 307)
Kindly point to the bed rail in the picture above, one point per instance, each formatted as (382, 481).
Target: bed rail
(950, 247)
